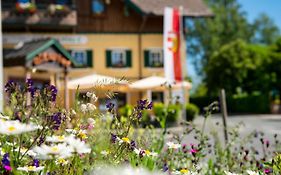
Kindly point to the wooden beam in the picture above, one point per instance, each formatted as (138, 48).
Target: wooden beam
(66, 91)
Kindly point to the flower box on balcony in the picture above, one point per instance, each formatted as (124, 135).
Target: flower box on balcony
(25, 8)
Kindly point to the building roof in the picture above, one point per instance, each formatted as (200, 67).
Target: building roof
(29, 50)
(191, 8)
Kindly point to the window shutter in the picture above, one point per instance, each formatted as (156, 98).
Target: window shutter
(89, 58)
(128, 58)
(146, 58)
(108, 58)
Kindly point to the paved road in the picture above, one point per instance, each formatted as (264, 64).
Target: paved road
(268, 124)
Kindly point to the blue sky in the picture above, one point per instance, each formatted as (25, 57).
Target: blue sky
(253, 8)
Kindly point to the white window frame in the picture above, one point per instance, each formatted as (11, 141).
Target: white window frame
(152, 53)
(115, 53)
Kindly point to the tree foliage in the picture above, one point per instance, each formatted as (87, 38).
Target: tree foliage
(265, 31)
(247, 66)
(207, 35)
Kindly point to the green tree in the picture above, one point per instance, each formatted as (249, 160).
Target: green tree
(239, 64)
(274, 66)
(266, 32)
(209, 34)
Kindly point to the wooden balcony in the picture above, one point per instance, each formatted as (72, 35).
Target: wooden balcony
(40, 17)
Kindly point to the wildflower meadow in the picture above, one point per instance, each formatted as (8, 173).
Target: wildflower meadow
(37, 136)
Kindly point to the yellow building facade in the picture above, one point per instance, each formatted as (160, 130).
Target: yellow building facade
(98, 44)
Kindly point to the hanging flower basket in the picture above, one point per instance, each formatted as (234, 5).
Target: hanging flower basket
(56, 9)
(25, 7)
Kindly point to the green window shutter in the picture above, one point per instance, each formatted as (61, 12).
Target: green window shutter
(108, 58)
(146, 58)
(89, 58)
(129, 58)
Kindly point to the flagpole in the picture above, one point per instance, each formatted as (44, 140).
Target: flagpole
(1, 64)
(182, 50)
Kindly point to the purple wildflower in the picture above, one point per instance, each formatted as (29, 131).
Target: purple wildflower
(133, 145)
(150, 105)
(142, 104)
(142, 153)
(10, 86)
(109, 106)
(57, 120)
(113, 138)
(165, 167)
(5, 160)
(41, 141)
(36, 162)
(29, 83)
(139, 115)
(52, 92)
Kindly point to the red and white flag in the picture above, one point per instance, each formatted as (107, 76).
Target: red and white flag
(172, 44)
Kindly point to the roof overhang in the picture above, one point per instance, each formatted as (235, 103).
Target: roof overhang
(36, 53)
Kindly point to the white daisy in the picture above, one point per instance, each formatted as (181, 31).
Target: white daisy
(124, 170)
(91, 121)
(48, 152)
(55, 138)
(30, 168)
(61, 161)
(183, 172)
(28, 152)
(92, 96)
(123, 140)
(104, 153)
(82, 134)
(13, 127)
(172, 145)
(252, 172)
(73, 112)
(83, 108)
(229, 173)
(137, 151)
(4, 117)
(91, 107)
(71, 131)
(153, 154)
(77, 145)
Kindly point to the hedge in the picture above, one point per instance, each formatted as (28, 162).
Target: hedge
(250, 104)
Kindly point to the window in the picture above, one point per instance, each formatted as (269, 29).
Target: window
(83, 57)
(153, 58)
(83, 98)
(98, 7)
(61, 2)
(118, 58)
(23, 1)
(158, 96)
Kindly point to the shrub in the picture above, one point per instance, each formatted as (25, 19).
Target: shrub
(173, 111)
(191, 111)
(126, 110)
(159, 110)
